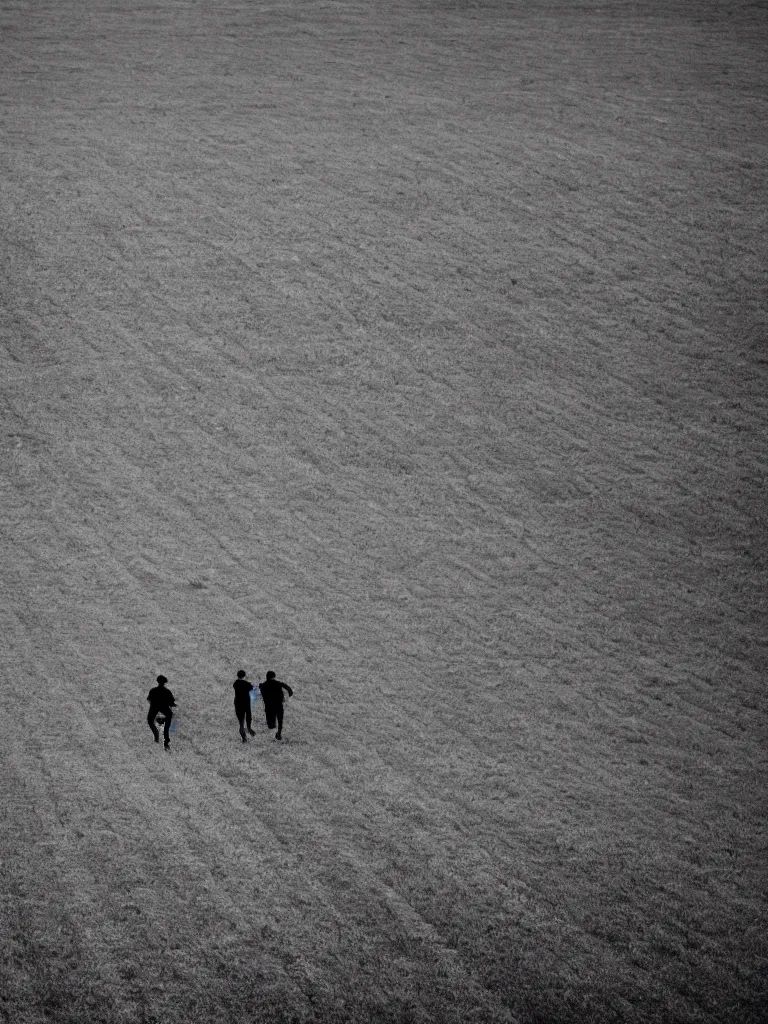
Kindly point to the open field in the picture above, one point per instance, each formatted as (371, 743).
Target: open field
(418, 352)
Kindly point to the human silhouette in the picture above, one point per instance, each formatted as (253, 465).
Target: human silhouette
(242, 690)
(160, 703)
(272, 695)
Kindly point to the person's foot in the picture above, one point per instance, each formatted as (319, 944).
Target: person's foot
(244, 739)
(278, 736)
(167, 745)
(157, 739)
(251, 732)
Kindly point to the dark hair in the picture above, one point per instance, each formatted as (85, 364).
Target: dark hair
(270, 675)
(162, 680)
(241, 674)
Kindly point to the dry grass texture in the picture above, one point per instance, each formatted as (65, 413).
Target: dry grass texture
(418, 353)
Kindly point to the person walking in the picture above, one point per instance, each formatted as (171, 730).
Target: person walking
(242, 690)
(160, 703)
(272, 695)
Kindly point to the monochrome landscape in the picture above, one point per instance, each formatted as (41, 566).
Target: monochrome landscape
(418, 352)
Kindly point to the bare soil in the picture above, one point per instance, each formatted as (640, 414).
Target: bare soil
(417, 352)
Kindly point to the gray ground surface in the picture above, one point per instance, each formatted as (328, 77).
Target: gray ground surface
(419, 353)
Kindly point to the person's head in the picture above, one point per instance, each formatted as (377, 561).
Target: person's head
(270, 675)
(161, 680)
(241, 674)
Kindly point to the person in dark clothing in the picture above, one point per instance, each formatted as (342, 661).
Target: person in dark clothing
(272, 695)
(242, 690)
(160, 703)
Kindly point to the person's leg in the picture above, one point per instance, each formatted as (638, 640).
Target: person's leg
(151, 723)
(240, 712)
(270, 716)
(279, 716)
(248, 718)
(167, 728)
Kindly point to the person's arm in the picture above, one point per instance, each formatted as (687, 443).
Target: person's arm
(285, 686)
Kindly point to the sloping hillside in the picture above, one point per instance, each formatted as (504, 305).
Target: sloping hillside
(417, 353)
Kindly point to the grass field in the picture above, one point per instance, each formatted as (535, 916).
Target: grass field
(419, 352)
